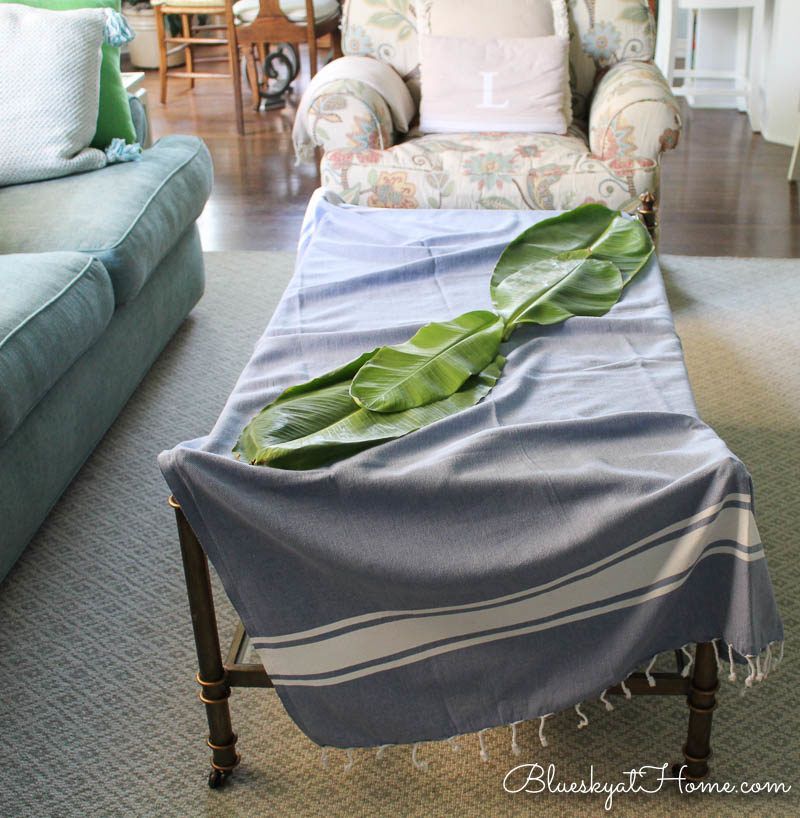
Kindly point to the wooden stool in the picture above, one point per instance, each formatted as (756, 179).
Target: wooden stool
(194, 36)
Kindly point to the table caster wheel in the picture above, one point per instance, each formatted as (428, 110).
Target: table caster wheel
(217, 778)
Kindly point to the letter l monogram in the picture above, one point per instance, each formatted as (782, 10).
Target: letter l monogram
(488, 87)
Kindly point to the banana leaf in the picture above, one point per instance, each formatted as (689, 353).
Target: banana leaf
(552, 290)
(430, 366)
(545, 275)
(310, 426)
(593, 230)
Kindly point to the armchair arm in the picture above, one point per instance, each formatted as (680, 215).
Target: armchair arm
(633, 113)
(353, 104)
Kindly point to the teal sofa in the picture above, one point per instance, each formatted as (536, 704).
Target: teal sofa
(97, 271)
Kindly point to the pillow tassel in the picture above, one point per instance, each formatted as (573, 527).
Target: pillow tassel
(117, 30)
(120, 151)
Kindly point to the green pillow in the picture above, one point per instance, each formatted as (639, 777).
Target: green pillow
(114, 113)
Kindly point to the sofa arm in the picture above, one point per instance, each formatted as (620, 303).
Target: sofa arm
(353, 104)
(633, 113)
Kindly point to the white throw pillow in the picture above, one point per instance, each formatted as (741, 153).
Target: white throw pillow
(500, 18)
(49, 92)
(514, 85)
(504, 33)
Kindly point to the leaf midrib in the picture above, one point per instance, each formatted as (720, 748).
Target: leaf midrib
(591, 247)
(423, 364)
(527, 305)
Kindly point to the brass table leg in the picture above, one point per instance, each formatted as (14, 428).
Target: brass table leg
(212, 677)
(648, 215)
(701, 700)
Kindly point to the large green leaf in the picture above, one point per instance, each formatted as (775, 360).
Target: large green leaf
(430, 366)
(308, 427)
(300, 409)
(592, 229)
(552, 290)
(573, 264)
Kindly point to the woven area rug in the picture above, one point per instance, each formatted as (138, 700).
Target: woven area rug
(99, 711)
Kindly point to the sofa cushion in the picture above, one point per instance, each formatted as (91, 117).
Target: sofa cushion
(53, 307)
(128, 215)
(509, 171)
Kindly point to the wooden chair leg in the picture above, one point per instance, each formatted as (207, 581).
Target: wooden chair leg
(162, 53)
(211, 676)
(186, 26)
(312, 51)
(252, 75)
(702, 701)
(236, 69)
(336, 40)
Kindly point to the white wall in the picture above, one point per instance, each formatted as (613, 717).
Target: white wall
(717, 44)
(782, 79)
(717, 49)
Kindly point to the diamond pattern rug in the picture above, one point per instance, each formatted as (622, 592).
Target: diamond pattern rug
(99, 711)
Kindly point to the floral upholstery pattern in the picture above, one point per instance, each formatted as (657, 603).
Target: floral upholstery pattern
(387, 31)
(602, 33)
(631, 114)
(488, 170)
(352, 116)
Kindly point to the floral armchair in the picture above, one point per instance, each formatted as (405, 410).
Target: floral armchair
(624, 117)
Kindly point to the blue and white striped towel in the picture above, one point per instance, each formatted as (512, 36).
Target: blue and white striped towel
(504, 563)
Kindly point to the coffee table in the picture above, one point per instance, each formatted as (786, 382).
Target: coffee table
(216, 497)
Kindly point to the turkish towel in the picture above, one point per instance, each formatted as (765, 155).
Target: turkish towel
(501, 564)
(379, 76)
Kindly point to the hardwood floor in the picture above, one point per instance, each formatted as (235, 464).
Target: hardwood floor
(724, 190)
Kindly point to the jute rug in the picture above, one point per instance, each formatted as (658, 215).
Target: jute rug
(99, 711)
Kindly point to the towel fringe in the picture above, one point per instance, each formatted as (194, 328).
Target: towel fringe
(350, 760)
(716, 656)
(514, 746)
(650, 680)
(768, 661)
(542, 739)
(777, 661)
(732, 675)
(584, 721)
(420, 765)
(759, 666)
(748, 682)
(483, 754)
(687, 668)
(453, 743)
(605, 701)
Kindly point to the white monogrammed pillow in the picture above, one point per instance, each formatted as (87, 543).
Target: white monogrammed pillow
(501, 18)
(502, 21)
(49, 91)
(514, 84)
